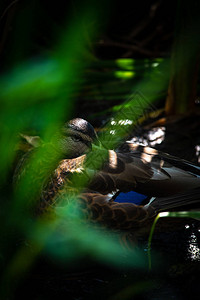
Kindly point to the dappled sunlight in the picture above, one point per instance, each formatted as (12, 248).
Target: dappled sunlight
(153, 137)
(193, 248)
(124, 74)
(156, 136)
(197, 148)
(121, 122)
(132, 64)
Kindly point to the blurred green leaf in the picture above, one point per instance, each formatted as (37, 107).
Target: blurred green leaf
(38, 95)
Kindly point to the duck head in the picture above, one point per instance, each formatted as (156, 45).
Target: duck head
(77, 137)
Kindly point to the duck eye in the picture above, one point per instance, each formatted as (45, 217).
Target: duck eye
(76, 138)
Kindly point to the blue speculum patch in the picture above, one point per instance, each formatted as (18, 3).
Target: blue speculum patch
(131, 197)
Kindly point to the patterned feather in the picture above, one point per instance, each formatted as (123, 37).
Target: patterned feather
(98, 177)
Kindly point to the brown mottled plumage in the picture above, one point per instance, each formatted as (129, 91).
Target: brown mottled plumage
(103, 174)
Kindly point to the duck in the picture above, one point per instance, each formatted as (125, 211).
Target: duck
(121, 190)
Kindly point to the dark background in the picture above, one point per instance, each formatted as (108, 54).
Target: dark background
(32, 28)
(138, 30)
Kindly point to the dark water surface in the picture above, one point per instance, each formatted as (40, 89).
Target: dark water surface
(175, 253)
(174, 274)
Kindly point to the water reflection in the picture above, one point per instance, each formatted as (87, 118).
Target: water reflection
(197, 148)
(156, 135)
(193, 249)
(153, 137)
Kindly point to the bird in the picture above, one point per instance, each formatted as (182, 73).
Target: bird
(121, 190)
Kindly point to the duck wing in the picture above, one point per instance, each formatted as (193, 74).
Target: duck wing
(98, 208)
(120, 172)
(171, 174)
(146, 171)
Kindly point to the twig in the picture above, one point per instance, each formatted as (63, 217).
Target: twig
(145, 22)
(135, 48)
(7, 8)
(7, 23)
